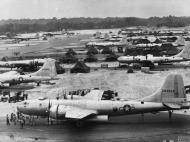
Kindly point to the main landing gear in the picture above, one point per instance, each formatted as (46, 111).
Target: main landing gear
(170, 115)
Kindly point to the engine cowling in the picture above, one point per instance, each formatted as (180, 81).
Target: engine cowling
(58, 111)
(1, 84)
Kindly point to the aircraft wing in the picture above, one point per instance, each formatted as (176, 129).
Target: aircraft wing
(11, 73)
(79, 113)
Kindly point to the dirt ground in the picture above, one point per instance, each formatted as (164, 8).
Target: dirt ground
(129, 86)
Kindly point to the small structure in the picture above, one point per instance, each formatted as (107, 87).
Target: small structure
(145, 69)
(130, 70)
(80, 67)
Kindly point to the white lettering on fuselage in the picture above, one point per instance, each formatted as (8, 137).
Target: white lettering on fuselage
(168, 90)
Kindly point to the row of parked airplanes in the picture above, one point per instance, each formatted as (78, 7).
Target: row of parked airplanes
(171, 96)
(184, 55)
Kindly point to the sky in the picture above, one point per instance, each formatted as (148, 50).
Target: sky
(35, 9)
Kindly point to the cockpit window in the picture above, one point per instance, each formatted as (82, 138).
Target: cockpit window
(108, 95)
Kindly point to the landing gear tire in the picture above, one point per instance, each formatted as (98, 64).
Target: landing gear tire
(79, 124)
(170, 115)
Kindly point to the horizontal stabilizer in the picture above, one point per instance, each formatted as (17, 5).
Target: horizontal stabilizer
(172, 105)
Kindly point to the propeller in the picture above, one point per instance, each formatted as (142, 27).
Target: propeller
(48, 110)
(65, 95)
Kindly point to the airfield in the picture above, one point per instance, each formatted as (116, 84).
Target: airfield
(153, 127)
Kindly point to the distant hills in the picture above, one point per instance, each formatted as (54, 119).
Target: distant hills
(54, 24)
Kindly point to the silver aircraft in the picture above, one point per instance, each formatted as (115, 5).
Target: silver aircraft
(171, 96)
(45, 73)
(184, 55)
(22, 63)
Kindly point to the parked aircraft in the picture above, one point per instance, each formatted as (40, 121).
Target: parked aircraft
(26, 37)
(45, 73)
(122, 42)
(184, 55)
(23, 64)
(171, 96)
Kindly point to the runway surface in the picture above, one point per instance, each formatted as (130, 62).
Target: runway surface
(120, 129)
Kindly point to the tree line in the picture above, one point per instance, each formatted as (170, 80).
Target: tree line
(54, 24)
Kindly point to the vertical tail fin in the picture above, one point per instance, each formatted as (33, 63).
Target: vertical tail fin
(124, 41)
(172, 91)
(180, 41)
(185, 53)
(48, 69)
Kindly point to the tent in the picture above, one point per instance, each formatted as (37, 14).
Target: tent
(106, 50)
(69, 59)
(91, 58)
(172, 51)
(4, 58)
(158, 41)
(20, 58)
(71, 52)
(80, 67)
(171, 39)
(59, 69)
(111, 57)
(92, 50)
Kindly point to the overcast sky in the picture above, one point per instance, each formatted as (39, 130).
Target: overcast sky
(17, 9)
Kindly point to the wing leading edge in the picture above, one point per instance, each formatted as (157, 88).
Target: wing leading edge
(79, 113)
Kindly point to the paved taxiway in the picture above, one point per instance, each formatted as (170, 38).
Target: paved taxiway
(122, 129)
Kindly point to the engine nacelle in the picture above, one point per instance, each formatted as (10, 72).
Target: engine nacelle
(1, 84)
(58, 111)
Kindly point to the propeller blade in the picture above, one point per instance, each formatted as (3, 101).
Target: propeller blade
(49, 106)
